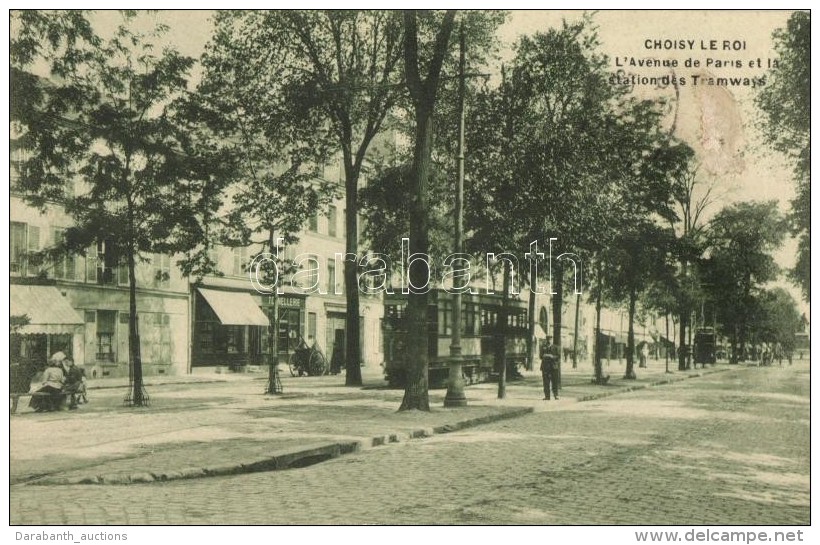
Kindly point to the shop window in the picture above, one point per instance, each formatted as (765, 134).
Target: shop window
(235, 339)
(206, 337)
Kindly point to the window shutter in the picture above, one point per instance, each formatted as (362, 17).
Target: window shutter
(33, 238)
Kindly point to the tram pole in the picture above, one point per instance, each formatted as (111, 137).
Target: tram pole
(455, 396)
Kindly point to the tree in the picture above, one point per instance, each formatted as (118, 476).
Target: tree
(276, 183)
(778, 320)
(742, 238)
(385, 197)
(692, 197)
(638, 258)
(108, 117)
(336, 75)
(786, 105)
(423, 91)
(570, 111)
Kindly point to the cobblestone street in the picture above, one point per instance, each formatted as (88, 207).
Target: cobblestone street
(727, 448)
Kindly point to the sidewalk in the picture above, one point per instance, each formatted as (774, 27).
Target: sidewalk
(205, 425)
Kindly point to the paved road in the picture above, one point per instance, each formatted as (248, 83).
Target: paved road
(730, 448)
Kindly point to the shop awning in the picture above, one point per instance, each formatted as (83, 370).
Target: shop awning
(235, 308)
(48, 311)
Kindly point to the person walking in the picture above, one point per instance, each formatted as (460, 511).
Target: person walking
(550, 360)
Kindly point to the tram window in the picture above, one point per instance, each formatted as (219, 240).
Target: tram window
(445, 326)
(470, 321)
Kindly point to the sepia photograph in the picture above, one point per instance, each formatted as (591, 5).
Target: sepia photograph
(461, 267)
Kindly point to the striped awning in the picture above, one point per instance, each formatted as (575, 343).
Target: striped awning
(47, 310)
(235, 308)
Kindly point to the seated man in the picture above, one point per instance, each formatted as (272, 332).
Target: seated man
(73, 382)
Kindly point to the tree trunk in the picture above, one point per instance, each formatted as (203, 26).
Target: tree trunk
(137, 397)
(557, 305)
(665, 344)
(575, 336)
(501, 339)
(415, 392)
(682, 341)
(599, 370)
(531, 322)
(630, 338)
(690, 352)
(353, 350)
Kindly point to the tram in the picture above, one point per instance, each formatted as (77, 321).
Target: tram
(705, 345)
(481, 336)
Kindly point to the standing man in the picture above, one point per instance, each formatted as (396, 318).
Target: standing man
(549, 368)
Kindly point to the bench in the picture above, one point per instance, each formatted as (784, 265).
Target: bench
(14, 398)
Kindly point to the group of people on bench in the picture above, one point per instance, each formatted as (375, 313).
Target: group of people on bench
(59, 382)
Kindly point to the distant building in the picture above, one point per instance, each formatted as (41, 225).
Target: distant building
(79, 305)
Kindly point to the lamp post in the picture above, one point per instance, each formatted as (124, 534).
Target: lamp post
(455, 384)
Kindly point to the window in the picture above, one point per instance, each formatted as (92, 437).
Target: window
(311, 326)
(331, 276)
(17, 248)
(331, 221)
(106, 263)
(240, 260)
(122, 275)
(206, 337)
(470, 319)
(23, 240)
(106, 331)
(213, 255)
(64, 267)
(313, 272)
(161, 269)
(17, 157)
(313, 223)
(235, 339)
(91, 264)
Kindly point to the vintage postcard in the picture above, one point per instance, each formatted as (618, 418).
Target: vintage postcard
(466, 267)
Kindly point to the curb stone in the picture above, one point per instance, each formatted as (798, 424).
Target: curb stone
(662, 382)
(302, 457)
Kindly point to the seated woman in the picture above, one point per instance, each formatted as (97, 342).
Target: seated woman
(48, 392)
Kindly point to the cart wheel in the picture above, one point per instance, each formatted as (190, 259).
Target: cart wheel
(317, 365)
(293, 365)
